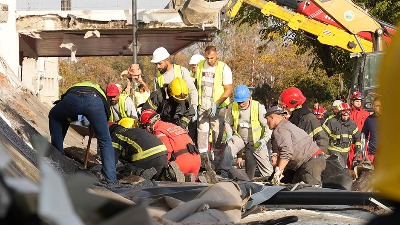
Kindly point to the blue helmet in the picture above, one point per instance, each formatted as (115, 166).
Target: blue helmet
(241, 93)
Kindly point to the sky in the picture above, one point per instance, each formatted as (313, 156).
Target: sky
(46, 5)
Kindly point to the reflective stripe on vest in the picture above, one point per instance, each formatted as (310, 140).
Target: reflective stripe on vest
(177, 73)
(90, 84)
(218, 88)
(121, 104)
(256, 128)
(141, 154)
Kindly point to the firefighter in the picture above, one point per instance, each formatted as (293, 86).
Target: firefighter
(293, 149)
(87, 99)
(122, 105)
(181, 148)
(172, 103)
(245, 122)
(293, 100)
(335, 108)
(387, 166)
(142, 153)
(359, 115)
(342, 132)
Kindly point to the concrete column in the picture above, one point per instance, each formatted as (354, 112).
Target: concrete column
(9, 41)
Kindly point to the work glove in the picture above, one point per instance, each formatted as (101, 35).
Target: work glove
(213, 110)
(194, 118)
(278, 175)
(262, 144)
(228, 137)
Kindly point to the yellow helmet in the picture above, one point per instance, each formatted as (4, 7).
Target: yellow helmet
(178, 89)
(129, 122)
(387, 166)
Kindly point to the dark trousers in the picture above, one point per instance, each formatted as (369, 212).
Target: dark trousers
(310, 172)
(91, 106)
(157, 163)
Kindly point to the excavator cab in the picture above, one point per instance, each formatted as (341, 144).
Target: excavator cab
(365, 76)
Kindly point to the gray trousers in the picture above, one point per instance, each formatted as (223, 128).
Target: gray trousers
(310, 172)
(254, 159)
(205, 122)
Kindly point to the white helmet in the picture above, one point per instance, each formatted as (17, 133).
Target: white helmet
(195, 59)
(159, 55)
(337, 103)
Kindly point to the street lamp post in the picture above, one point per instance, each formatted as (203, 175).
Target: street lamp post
(134, 30)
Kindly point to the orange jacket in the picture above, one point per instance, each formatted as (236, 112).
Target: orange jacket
(359, 116)
(173, 136)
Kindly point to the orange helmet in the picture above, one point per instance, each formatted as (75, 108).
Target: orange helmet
(356, 96)
(149, 116)
(292, 97)
(344, 109)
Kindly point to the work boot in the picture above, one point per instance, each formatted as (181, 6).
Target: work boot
(172, 173)
(148, 174)
(206, 164)
(190, 177)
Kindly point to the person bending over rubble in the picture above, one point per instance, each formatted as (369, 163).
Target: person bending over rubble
(247, 134)
(142, 153)
(293, 149)
(181, 149)
(87, 99)
(172, 103)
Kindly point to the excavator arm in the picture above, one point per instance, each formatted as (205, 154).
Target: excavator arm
(351, 29)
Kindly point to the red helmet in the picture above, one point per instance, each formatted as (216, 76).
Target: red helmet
(292, 97)
(112, 90)
(344, 108)
(356, 96)
(148, 116)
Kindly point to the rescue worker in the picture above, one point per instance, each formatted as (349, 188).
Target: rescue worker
(246, 126)
(293, 149)
(181, 148)
(370, 129)
(293, 100)
(194, 60)
(172, 103)
(87, 99)
(214, 83)
(387, 168)
(168, 71)
(122, 105)
(335, 109)
(318, 111)
(359, 115)
(342, 132)
(142, 153)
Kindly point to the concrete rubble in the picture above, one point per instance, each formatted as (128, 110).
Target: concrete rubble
(38, 185)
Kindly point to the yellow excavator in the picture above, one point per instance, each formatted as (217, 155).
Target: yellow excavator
(338, 23)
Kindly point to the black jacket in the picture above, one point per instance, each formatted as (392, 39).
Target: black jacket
(170, 110)
(304, 119)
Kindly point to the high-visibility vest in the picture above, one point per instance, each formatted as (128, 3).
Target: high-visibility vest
(141, 98)
(256, 127)
(121, 104)
(177, 73)
(90, 84)
(218, 88)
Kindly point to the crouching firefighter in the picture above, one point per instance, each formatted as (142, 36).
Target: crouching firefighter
(142, 153)
(181, 149)
(172, 103)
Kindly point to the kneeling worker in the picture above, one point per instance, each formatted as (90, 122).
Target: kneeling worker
(181, 148)
(294, 149)
(245, 120)
(142, 153)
